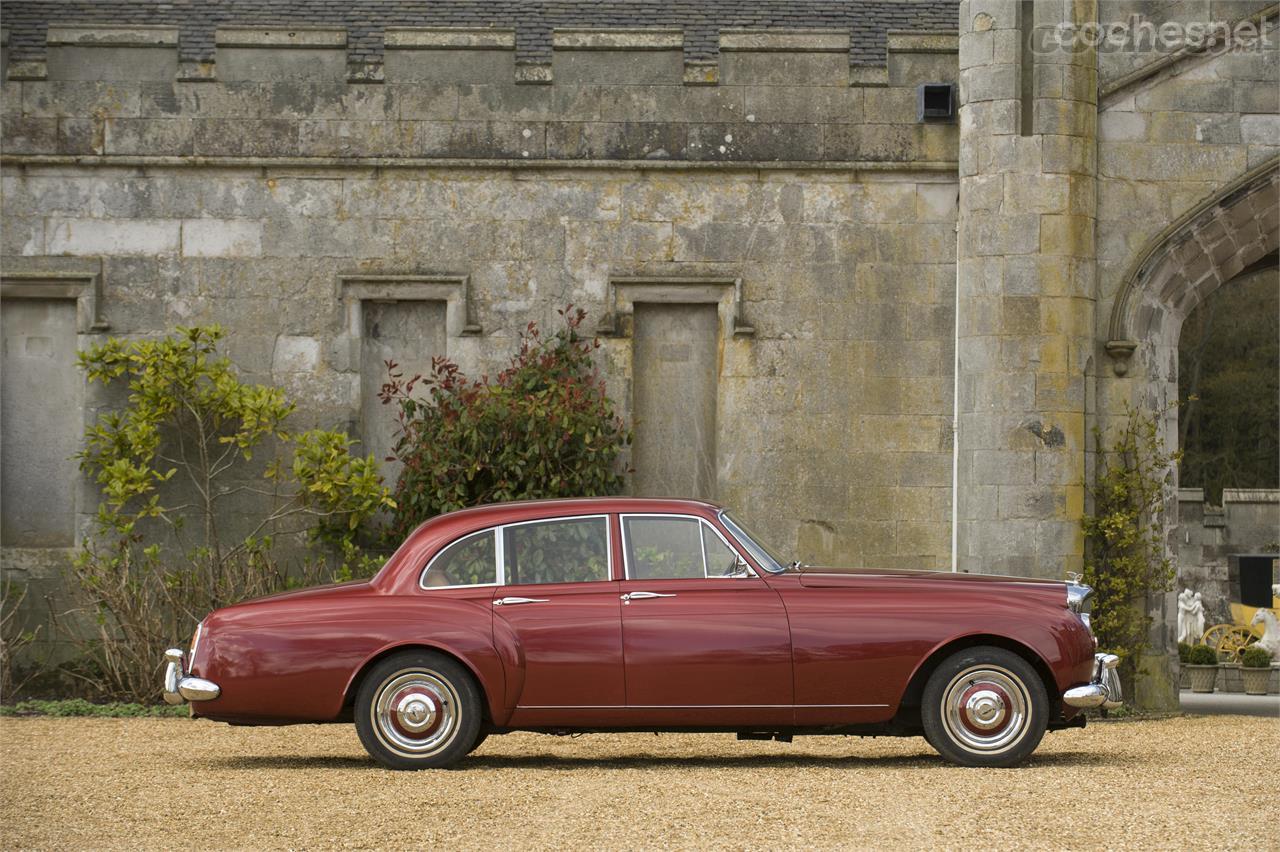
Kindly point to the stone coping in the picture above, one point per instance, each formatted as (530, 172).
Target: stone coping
(898, 41)
(450, 38)
(617, 39)
(109, 35)
(770, 41)
(295, 37)
(849, 167)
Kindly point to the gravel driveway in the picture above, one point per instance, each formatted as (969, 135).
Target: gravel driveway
(172, 783)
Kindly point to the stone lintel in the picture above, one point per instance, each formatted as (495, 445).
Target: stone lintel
(617, 39)
(799, 41)
(113, 35)
(1190, 495)
(296, 37)
(450, 38)
(921, 42)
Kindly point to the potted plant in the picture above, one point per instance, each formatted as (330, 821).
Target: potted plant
(1184, 657)
(1255, 668)
(1203, 664)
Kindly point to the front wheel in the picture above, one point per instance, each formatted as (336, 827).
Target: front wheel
(984, 706)
(418, 710)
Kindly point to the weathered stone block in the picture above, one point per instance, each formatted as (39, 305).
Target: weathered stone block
(23, 135)
(283, 63)
(100, 63)
(795, 142)
(100, 236)
(747, 68)
(149, 136)
(806, 104)
(246, 138)
(874, 142)
(461, 66)
(79, 136)
(221, 238)
(615, 140)
(620, 67)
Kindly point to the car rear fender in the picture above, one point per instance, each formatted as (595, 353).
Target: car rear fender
(489, 678)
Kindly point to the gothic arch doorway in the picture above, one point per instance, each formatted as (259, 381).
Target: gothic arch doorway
(1210, 245)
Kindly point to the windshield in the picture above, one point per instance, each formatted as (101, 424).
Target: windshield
(758, 552)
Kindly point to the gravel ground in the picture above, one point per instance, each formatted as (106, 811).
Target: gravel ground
(171, 783)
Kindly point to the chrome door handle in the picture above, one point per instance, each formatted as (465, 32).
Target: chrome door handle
(637, 596)
(510, 601)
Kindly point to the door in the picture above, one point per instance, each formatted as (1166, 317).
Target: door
(705, 641)
(558, 597)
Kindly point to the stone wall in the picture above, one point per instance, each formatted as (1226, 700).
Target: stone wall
(328, 224)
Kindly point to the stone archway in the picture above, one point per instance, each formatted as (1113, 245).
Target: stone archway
(1174, 273)
(1183, 265)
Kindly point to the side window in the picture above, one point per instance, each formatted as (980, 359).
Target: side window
(663, 548)
(470, 561)
(676, 548)
(575, 550)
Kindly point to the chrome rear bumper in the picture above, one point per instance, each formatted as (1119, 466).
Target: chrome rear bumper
(1103, 690)
(180, 687)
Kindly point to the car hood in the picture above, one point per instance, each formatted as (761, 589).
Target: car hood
(824, 575)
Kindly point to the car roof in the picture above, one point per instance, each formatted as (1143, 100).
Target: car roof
(577, 505)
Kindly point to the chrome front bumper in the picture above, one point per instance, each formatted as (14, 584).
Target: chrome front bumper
(1103, 690)
(180, 687)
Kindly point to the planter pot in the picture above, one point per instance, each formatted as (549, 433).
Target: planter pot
(1229, 678)
(1256, 681)
(1184, 677)
(1202, 677)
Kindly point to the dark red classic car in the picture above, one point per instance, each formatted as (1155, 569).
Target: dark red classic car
(609, 614)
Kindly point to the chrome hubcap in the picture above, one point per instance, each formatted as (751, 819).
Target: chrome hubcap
(416, 712)
(985, 709)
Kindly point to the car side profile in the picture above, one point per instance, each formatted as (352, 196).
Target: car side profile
(626, 614)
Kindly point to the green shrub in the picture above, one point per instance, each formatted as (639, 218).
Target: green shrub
(191, 444)
(1254, 657)
(1184, 653)
(1202, 655)
(544, 427)
(1125, 558)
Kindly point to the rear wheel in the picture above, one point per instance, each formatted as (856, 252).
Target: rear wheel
(984, 706)
(418, 710)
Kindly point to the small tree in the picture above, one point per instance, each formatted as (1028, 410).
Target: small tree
(1126, 558)
(167, 465)
(543, 428)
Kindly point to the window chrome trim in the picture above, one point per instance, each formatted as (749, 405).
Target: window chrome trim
(499, 552)
(703, 522)
(497, 567)
(723, 517)
(608, 544)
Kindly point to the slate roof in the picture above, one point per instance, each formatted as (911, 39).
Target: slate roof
(867, 21)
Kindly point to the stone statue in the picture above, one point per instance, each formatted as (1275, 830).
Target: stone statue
(1270, 632)
(1190, 617)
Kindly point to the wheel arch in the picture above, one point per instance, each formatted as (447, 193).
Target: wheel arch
(909, 706)
(353, 685)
